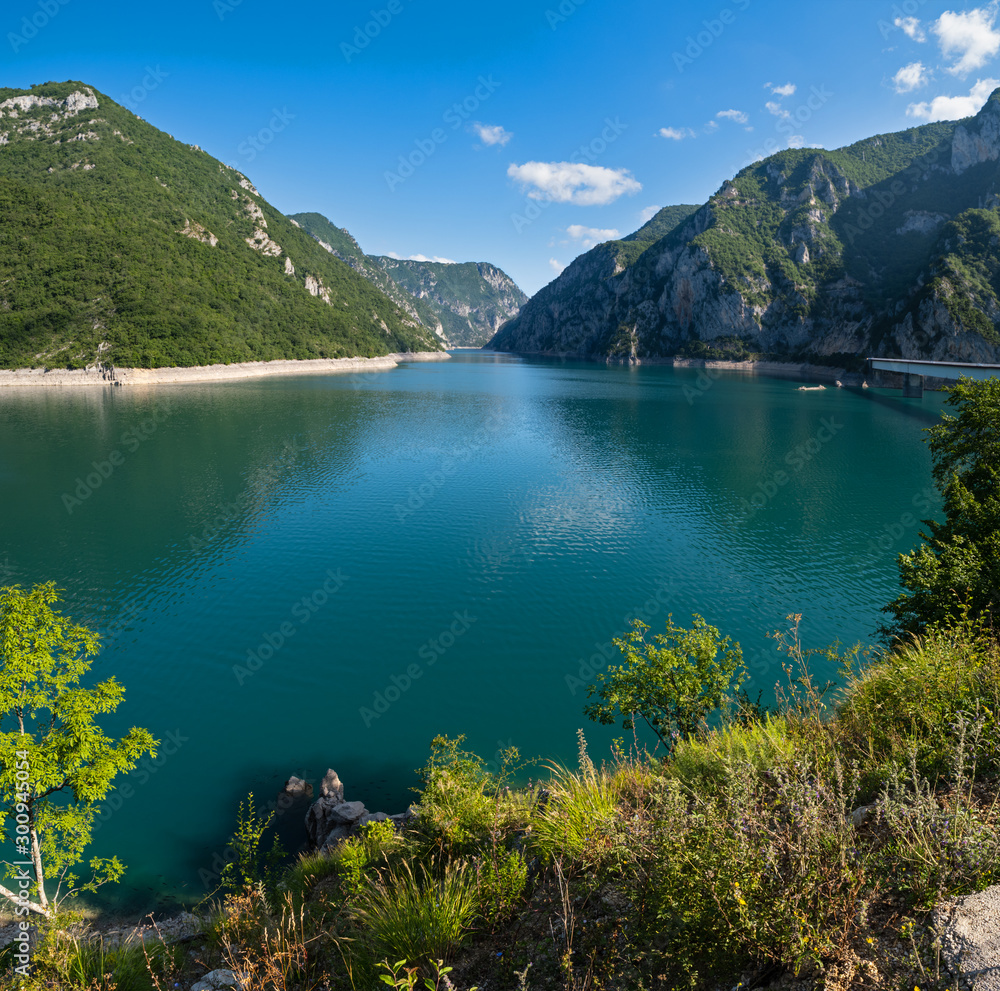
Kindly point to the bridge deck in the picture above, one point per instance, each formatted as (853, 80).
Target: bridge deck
(935, 369)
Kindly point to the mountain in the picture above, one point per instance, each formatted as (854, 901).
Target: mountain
(464, 304)
(888, 247)
(121, 244)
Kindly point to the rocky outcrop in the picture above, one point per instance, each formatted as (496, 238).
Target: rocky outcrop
(978, 140)
(331, 819)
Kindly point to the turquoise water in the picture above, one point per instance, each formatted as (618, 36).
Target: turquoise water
(326, 572)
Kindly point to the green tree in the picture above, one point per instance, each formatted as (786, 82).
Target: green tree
(674, 681)
(956, 572)
(56, 764)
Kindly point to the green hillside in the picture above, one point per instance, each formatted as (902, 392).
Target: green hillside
(123, 244)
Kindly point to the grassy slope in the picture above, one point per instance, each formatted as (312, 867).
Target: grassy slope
(93, 255)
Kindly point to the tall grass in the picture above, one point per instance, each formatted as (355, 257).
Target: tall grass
(412, 916)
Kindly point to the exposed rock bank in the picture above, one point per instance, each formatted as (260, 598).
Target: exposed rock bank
(104, 375)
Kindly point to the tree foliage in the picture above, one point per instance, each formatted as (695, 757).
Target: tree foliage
(956, 571)
(673, 681)
(56, 764)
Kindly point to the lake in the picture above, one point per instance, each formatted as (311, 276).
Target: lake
(305, 573)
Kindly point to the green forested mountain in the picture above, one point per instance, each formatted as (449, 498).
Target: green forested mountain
(885, 247)
(464, 304)
(121, 244)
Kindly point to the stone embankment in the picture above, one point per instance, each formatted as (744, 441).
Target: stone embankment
(106, 375)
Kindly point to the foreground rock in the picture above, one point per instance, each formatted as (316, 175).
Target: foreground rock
(331, 819)
(969, 928)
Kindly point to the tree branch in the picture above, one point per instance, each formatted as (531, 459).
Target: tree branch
(32, 907)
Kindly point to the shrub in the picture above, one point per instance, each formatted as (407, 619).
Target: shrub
(501, 880)
(462, 806)
(912, 700)
(938, 846)
(704, 763)
(673, 682)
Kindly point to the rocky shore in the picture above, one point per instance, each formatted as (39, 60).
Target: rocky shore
(106, 375)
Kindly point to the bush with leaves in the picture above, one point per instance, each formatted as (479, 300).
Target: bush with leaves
(673, 682)
(250, 865)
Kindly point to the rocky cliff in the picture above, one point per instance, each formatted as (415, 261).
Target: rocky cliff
(888, 247)
(463, 304)
(471, 300)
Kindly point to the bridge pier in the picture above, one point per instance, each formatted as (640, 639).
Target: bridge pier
(913, 386)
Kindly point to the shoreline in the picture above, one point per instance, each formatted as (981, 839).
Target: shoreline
(101, 375)
(801, 370)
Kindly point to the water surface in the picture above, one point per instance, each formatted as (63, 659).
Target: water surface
(303, 573)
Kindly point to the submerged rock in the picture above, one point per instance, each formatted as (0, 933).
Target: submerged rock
(330, 819)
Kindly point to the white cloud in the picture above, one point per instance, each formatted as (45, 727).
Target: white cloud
(910, 77)
(737, 116)
(775, 108)
(796, 141)
(590, 236)
(557, 266)
(648, 213)
(954, 107)
(787, 90)
(711, 126)
(492, 134)
(675, 133)
(574, 182)
(968, 37)
(911, 27)
(422, 258)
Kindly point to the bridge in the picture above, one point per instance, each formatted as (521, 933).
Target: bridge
(915, 370)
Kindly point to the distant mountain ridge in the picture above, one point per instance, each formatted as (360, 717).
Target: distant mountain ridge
(463, 303)
(888, 247)
(124, 246)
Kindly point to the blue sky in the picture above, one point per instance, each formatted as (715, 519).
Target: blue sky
(518, 133)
